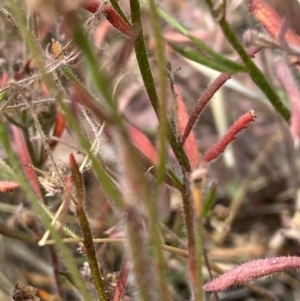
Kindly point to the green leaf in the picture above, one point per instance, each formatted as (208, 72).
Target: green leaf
(149, 83)
(209, 200)
(232, 65)
(2, 95)
(204, 60)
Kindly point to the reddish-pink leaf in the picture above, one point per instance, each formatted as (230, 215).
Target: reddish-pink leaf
(101, 32)
(116, 20)
(4, 79)
(190, 145)
(285, 76)
(237, 127)
(265, 14)
(8, 186)
(252, 270)
(203, 101)
(59, 127)
(91, 6)
(208, 94)
(143, 144)
(124, 272)
(25, 159)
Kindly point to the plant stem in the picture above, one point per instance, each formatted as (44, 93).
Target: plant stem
(163, 96)
(190, 228)
(86, 230)
(142, 59)
(256, 75)
(90, 253)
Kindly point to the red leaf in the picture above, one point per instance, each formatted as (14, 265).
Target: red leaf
(124, 272)
(4, 79)
(8, 186)
(237, 127)
(116, 20)
(25, 159)
(101, 32)
(143, 144)
(290, 85)
(60, 125)
(190, 145)
(91, 6)
(272, 22)
(252, 270)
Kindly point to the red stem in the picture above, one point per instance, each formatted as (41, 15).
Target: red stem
(208, 94)
(237, 127)
(203, 101)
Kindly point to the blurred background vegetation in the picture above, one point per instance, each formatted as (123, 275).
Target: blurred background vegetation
(255, 213)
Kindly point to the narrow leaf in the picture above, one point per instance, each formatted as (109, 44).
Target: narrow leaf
(143, 144)
(8, 186)
(252, 270)
(25, 159)
(59, 127)
(203, 60)
(124, 272)
(85, 228)
(190, 146)
(237, 127)
(200, 44)
(209, 200)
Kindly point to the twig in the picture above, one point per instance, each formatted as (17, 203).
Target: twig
(208, 94)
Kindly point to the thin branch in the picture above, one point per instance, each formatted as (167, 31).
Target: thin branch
(208, 94)
(256, 75)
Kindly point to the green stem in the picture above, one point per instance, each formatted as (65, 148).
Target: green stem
(142, 59)
(88, 243)
(162, 138)
(90, 253)
(116, 6)
(163, 95)
(252, 69)
(218, 58)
